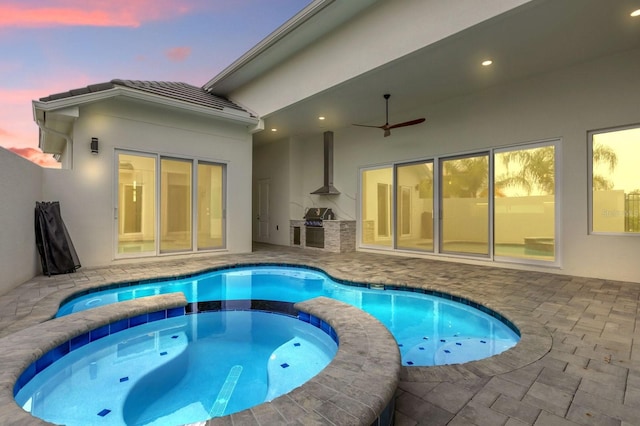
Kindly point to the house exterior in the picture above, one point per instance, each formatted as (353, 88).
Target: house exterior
(444, 189)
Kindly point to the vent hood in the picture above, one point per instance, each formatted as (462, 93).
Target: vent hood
(327, 188)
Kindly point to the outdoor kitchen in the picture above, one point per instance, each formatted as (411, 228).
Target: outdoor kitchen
(320, 230)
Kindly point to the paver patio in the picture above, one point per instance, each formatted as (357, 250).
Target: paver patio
(580, 363)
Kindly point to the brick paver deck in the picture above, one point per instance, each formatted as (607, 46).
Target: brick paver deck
(578, 362)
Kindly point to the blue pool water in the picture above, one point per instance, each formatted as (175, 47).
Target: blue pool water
(179, 370)
(429, 330)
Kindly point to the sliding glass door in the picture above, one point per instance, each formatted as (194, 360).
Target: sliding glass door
(464, 205)
(376, 185)
(524, 194)
(495, 204)
(180, 200)
(414, 201)
(136, 204)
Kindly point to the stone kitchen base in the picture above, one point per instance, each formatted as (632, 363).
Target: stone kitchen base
(339, 235)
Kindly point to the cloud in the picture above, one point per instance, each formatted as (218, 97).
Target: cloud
(101, 13)
(178, 54)
(37, 156)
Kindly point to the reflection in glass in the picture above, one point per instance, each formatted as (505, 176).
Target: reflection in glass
(414, 193)
(210, 206)
(136, 204)
(616, 181)
(376, 207)
(175, 205)
(524, 203)
(465, 205)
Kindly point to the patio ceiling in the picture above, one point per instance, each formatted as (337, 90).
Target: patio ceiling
(541, 36)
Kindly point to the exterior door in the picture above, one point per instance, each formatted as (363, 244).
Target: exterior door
(263, 211)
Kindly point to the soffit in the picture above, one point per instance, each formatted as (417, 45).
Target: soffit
(538, 37)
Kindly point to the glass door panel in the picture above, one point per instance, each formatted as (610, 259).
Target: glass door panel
(136, 204)
(524, 200)
(175, 205)
(210, 208)
(414, 193)
(376, 207)
(464, 225)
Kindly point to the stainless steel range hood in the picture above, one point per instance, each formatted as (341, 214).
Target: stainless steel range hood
(327, 188)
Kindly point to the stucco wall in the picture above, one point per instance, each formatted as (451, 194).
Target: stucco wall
(86, 192)
(564, 104)
(20, 188)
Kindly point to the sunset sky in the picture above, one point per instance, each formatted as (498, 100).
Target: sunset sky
(56, 45)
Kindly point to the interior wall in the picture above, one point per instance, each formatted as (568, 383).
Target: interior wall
(564, 104)
(87, 191)
(20, 188)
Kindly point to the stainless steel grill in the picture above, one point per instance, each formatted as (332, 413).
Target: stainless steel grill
(314, 218)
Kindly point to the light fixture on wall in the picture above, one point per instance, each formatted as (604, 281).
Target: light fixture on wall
(94, 146)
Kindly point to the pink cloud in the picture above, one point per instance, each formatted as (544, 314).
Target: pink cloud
(116, 13)
(37, 156)
(178, 54)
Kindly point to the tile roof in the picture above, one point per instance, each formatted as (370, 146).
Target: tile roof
(173, 90)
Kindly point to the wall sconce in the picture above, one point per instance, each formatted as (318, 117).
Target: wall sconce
(94, 146)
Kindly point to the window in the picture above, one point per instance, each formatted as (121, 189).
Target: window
(524, 200)
(181, 200)
(175, 205)
(464, 224)
(615, 180)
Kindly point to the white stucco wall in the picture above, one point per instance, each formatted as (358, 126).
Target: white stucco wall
(20, 188)
(564, 104)
(86, 192)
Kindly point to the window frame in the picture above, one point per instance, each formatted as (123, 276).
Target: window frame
(158, 157)
(590, 134)
(437, 205)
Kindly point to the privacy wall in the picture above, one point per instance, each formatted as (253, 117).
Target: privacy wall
(20, 188)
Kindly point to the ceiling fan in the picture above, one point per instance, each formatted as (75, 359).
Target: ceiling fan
(387, 127)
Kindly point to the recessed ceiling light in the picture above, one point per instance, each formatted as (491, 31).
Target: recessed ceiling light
(321, 118)
(487, 63)
(635, 12)
(274, 130)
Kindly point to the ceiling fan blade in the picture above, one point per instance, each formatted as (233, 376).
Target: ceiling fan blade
(365, 125)
(407, 123)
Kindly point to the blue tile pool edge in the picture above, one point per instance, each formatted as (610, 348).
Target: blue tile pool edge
(376, 286)
(83, 339)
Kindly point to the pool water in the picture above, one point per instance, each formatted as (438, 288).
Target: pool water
(430, 330)
(179, 370)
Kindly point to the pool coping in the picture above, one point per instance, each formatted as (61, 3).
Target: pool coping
(357, 387)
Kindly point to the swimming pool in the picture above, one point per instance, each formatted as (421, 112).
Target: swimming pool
(179, 370)
(429, 330)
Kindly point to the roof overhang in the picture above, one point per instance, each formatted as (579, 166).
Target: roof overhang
(55, 118)
(307, 26)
